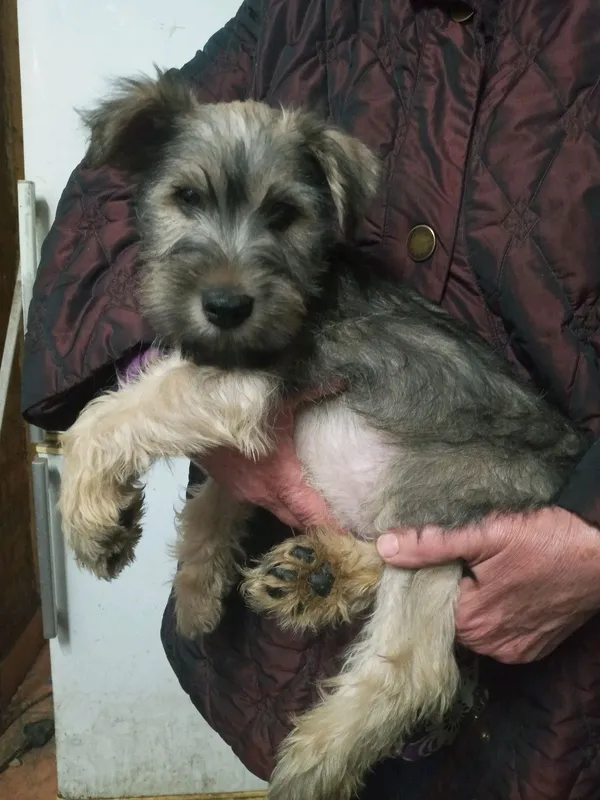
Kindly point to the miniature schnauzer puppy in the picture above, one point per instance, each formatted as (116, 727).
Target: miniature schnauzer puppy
(250, 280)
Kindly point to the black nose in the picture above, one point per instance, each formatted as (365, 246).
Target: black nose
(226, 308)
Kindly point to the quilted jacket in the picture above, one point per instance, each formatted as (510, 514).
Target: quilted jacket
(487, 118)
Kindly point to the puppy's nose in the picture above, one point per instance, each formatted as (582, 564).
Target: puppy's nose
(226, 308)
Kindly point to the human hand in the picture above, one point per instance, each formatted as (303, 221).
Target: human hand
(276, 482)
(536, 579)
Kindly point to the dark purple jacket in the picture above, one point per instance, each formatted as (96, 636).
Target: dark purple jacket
(487, 119)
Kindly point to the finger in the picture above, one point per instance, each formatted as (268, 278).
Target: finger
(430, 546)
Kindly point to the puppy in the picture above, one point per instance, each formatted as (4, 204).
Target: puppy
(249, 278)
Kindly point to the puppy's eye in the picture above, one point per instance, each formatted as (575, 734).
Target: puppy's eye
(189, 197)
(281, 215)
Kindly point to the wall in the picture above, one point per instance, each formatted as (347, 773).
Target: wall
(18, 596)
(124, 726)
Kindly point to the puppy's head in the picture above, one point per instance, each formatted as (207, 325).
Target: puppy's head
(239, 204)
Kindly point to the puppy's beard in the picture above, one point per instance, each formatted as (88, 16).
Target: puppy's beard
(260, 342)
(248, 347)
(233, 355)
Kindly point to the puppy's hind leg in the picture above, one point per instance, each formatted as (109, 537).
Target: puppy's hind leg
(402, 671)
(211, 527)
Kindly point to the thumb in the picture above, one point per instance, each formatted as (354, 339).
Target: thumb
(429, 546)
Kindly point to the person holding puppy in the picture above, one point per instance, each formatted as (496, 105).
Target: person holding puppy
(487, 119)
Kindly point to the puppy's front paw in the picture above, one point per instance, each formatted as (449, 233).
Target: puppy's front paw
(312, 581)
(101, 523)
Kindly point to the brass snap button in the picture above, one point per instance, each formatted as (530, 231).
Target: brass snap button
(461, 13)
(421, 242)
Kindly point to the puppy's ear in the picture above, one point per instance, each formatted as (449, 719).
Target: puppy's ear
(129, 129)
(352, 171)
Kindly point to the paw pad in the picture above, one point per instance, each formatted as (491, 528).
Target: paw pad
(275, 592)
(306, 554)
(297, 584)
(308, 583)
(284, 574)
(321, 581)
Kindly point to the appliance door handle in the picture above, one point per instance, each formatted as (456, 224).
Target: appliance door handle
(39, 469)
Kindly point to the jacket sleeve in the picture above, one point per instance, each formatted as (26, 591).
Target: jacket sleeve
(581, 494)
(84, 323)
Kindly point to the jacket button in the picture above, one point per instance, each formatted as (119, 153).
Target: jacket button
(421, 242)
(461, 13)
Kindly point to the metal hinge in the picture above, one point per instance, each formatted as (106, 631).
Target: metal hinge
(50, 445)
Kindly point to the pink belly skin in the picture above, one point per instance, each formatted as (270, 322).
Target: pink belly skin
(344, 459)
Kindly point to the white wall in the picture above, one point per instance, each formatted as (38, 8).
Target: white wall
(71, 48)
(124, 726)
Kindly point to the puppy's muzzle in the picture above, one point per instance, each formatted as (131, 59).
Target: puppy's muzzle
(226, 308)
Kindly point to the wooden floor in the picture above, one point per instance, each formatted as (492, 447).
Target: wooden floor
(33, 776)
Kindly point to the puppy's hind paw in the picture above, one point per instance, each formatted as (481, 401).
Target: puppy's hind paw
(309, 582)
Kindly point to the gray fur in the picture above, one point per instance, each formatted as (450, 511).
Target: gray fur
(473, 438)
(245, 203)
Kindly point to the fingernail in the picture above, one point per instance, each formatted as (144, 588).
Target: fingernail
(388, 546)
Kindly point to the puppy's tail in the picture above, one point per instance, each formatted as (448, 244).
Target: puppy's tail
(400, 673)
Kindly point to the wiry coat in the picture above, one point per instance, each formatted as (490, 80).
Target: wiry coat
(247, 269)
(489, 134)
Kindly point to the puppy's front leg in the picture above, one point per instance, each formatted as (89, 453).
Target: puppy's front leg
(211, 526)
(174, 409)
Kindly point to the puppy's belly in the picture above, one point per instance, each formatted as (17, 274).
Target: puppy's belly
(344, 459)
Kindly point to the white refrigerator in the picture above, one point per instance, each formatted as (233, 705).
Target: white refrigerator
(124, 727)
